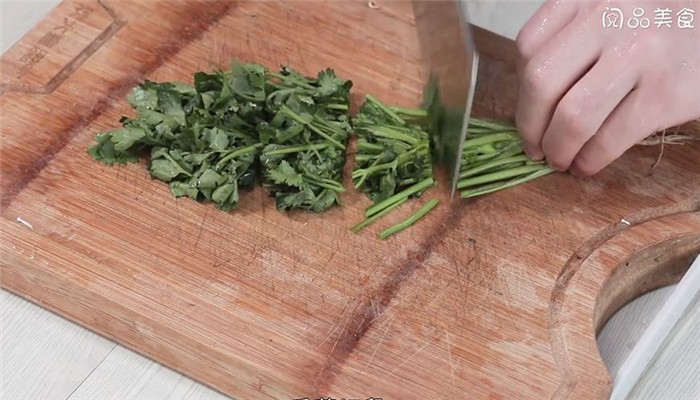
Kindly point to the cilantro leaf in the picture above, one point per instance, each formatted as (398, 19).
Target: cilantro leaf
(285, 173)
(126, 137)
(105, 152)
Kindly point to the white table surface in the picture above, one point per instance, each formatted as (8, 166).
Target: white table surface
(46, 357)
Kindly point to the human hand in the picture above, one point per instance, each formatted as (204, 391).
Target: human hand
(588, 93)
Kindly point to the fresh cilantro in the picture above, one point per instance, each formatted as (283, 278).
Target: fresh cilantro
(202, 138)
(205, 140)
(392, 154)
(305, 138)
(493, 159)
(208, 141)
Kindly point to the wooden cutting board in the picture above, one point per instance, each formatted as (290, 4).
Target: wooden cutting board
(499, 298)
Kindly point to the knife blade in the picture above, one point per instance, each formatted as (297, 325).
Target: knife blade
(449, 55)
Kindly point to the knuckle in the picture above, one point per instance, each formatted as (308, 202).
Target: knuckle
(594, 156)
(572, 120)
(558, 164)
(522, 44)
(586, 165)
(535, 82)
(661, 83)
(555, 158)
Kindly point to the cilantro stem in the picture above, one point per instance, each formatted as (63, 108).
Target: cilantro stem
(492, 164)
(291, 114)
(324, 183)
(236, 153)
(281, 92)
(296, 149)
(424, 184)
(327, 137)
(498, 176)
(363, 145)
(384, 108)
(370, 220)
(339, 107)
(375, 167)
(299, 119)
(366, 157)
(500, 186)
(472, 160)
(372, 169)
(318, 155)
(489, 139)
(389, 133)
(289, 78)
(489, 125)
(413, 112)
(410, 220)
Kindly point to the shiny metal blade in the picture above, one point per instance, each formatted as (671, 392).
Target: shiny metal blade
(449, 54)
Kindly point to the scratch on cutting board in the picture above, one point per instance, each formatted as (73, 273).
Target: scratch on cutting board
(408, 359)
(381, 339)
(25, 223)
(449, 357)
(335, 327)
(375, 303)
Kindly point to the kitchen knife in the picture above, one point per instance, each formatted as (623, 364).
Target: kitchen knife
(449, 56)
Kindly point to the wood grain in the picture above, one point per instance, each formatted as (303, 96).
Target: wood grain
(495, 298)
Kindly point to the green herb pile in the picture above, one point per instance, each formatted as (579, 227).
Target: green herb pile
(211, 139)
(493, 160)
(393, 160)
(205, 140)
(305, 139)
(392, 154)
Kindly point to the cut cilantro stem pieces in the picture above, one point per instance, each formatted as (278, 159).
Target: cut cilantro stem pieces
(296, 117)
(393, 149)
(387, 110)
(280, 150)
(418, 187)
(370, 220)
(392, 230)
(338, 107)
(324, 183)
(392, 134)
(410, 112)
